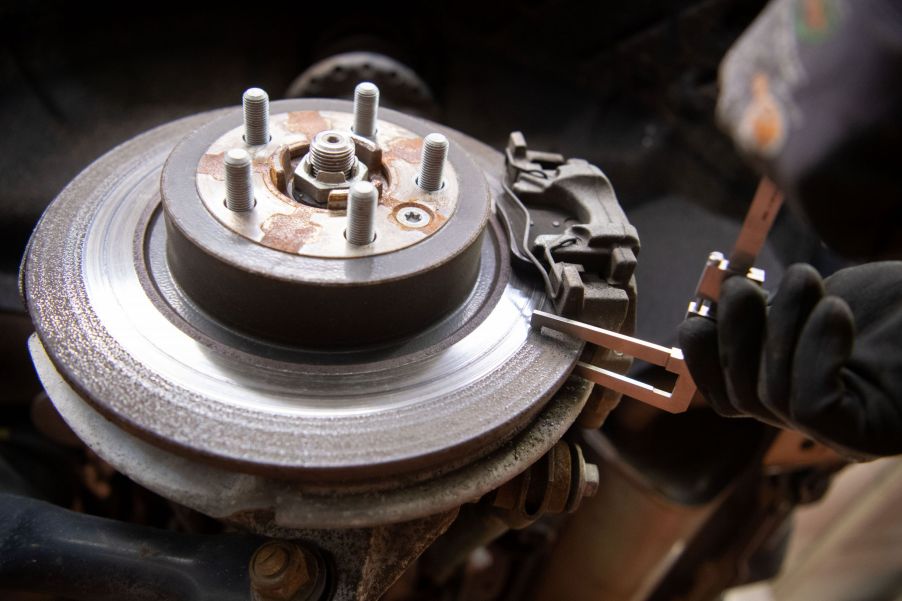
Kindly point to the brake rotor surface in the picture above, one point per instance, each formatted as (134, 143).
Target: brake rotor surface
(141, 352)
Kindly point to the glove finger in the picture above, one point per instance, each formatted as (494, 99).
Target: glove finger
(799, 292)
(698, 340)
(741, 318)
(819, 402)
(869, 289)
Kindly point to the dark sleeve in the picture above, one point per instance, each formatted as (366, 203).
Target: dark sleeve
(812, 94)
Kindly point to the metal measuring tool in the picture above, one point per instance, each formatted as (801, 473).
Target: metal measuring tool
(758, 221)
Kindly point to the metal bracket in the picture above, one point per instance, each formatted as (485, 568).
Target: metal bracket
(671, 359)
(576, 234)
(565, 223)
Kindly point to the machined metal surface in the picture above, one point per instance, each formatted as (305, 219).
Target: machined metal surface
(326, 172)
(117, 331)
(332, 151)
(256, 116)
(366, 109)
(362, 199)
(239, 186)
(432, 163)
(265, 504)
(671, 359)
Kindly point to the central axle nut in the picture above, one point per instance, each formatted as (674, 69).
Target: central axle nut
(331, 163)
(332, 152)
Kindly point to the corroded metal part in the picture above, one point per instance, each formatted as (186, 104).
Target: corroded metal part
(366, 561)
(281, 223)
(554, 484)
(368, 452)
(286, 571)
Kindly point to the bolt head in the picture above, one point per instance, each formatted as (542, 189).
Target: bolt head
(271, 560)
(411, 216)
(280, 570)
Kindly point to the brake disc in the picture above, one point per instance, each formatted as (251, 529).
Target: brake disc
(264, 346)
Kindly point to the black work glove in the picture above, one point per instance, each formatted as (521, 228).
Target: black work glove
(825, 359)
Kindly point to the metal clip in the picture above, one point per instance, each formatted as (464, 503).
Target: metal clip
(707, 292)
(671, 359)
(758, 221)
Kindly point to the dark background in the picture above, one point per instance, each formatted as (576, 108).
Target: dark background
(628, 85)
(631, 86)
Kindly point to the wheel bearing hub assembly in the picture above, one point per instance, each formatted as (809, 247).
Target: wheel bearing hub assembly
(302, 320)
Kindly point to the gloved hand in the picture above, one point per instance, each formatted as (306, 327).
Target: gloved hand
(825, 358)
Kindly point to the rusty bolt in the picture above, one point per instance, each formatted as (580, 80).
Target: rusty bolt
(239, 185)
(256, 116)
(271, 560)
(279, 571)
(366, 108)
(432, 162)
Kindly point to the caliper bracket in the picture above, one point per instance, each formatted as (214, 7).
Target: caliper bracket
(565, 222)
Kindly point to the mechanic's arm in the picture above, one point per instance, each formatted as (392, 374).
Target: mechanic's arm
(812, 95)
